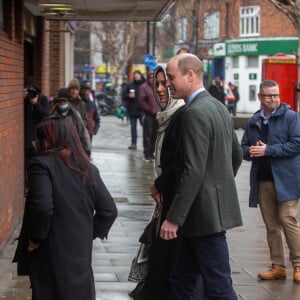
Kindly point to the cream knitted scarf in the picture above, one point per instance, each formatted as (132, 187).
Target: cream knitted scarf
(164, 118)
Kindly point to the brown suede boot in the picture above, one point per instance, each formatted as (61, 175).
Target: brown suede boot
(273, 273)
(296, 276)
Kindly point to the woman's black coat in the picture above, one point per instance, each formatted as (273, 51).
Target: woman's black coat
(163, 253)
(63, 214)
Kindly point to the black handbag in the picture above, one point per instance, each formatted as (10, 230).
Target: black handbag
(140, 264)
(151, 231)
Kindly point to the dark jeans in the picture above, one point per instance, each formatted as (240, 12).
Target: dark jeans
(133, 128)
(231, 105)
(150, 126)
(207, 256)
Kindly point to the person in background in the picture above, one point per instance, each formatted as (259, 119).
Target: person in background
(92, 92)
(150, 107)
(217, 89)
(77, 102)
(133, 109)
(36, 107)
(271, 141)
(67, 206)
(124, 95)
(232, 103)
(93, 117)
(205, 203)
(64, 108)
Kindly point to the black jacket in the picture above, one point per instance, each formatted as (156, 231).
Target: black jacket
(133, 108)
(63, 214)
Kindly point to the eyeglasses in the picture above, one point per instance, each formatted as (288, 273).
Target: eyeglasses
(269, 96)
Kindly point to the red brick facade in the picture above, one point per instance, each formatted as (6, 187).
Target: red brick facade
(11, 119)
(272, 22)
(12, 109)
(57, 56)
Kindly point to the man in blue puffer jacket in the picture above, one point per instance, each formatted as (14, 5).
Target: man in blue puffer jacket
(272, 142)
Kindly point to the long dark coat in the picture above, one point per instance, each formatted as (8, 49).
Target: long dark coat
(133, 107)
(33, 114)
(63, 215)
(163, 252)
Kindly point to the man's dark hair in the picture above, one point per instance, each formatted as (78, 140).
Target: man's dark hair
(267, 83)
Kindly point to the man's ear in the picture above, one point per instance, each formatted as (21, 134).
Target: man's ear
(190, 75)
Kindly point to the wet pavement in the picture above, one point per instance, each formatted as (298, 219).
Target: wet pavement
(128, 178)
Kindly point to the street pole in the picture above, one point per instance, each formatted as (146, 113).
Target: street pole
(153, 38)
(148, 38)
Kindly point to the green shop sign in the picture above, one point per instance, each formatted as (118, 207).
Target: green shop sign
(259, 47)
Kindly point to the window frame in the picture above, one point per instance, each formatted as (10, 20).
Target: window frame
(249, 21)
(182, 29)
(212, 32)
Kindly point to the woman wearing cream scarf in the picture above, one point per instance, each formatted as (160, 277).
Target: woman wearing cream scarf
(162, 253)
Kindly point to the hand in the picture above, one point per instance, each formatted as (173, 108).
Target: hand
(168, 230)
(156, 195)
(34, 100)
(32, 246)
(258, 150)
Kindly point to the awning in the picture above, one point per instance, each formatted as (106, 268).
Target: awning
(100, 10)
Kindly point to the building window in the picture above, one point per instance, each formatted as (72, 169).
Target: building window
(212, 26)
(252, 61)
(252, 92)
(182, 30)
(249, 21)
(235, 62)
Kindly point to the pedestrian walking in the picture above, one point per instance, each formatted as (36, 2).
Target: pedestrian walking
(75, 100)
(205, 204)
(271, 141)
(133, 109)
(36, 107)
(150, 107)
(217, 89)
(232, 101)
(67, 206)
(92, 114)
(64, 108)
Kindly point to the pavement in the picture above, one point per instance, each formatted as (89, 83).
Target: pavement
(128, 178)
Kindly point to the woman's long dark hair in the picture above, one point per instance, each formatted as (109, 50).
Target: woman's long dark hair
(57, 134)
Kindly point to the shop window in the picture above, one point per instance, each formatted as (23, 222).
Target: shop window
(252, 92)
(252, 62)
(249, 21)
(212, 26)
(182, 30)
(235, 62)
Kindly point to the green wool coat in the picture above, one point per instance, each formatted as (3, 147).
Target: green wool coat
(208, 159)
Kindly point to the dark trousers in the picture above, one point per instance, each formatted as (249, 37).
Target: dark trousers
(207, 256)
(231, 105)
(133, 127)
(150, 126)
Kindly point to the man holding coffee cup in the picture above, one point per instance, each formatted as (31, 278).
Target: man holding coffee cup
(133, 110)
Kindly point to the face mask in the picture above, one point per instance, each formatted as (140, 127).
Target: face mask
(62, 107)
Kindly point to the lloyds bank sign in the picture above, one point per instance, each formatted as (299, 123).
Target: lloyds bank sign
(261, 47)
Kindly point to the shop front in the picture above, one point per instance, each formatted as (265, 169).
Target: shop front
(243, 66)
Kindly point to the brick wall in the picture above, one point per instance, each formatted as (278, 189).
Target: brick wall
(42, 59)
(11, 119)
(272, 22)
(57, 56)
(12, 109)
